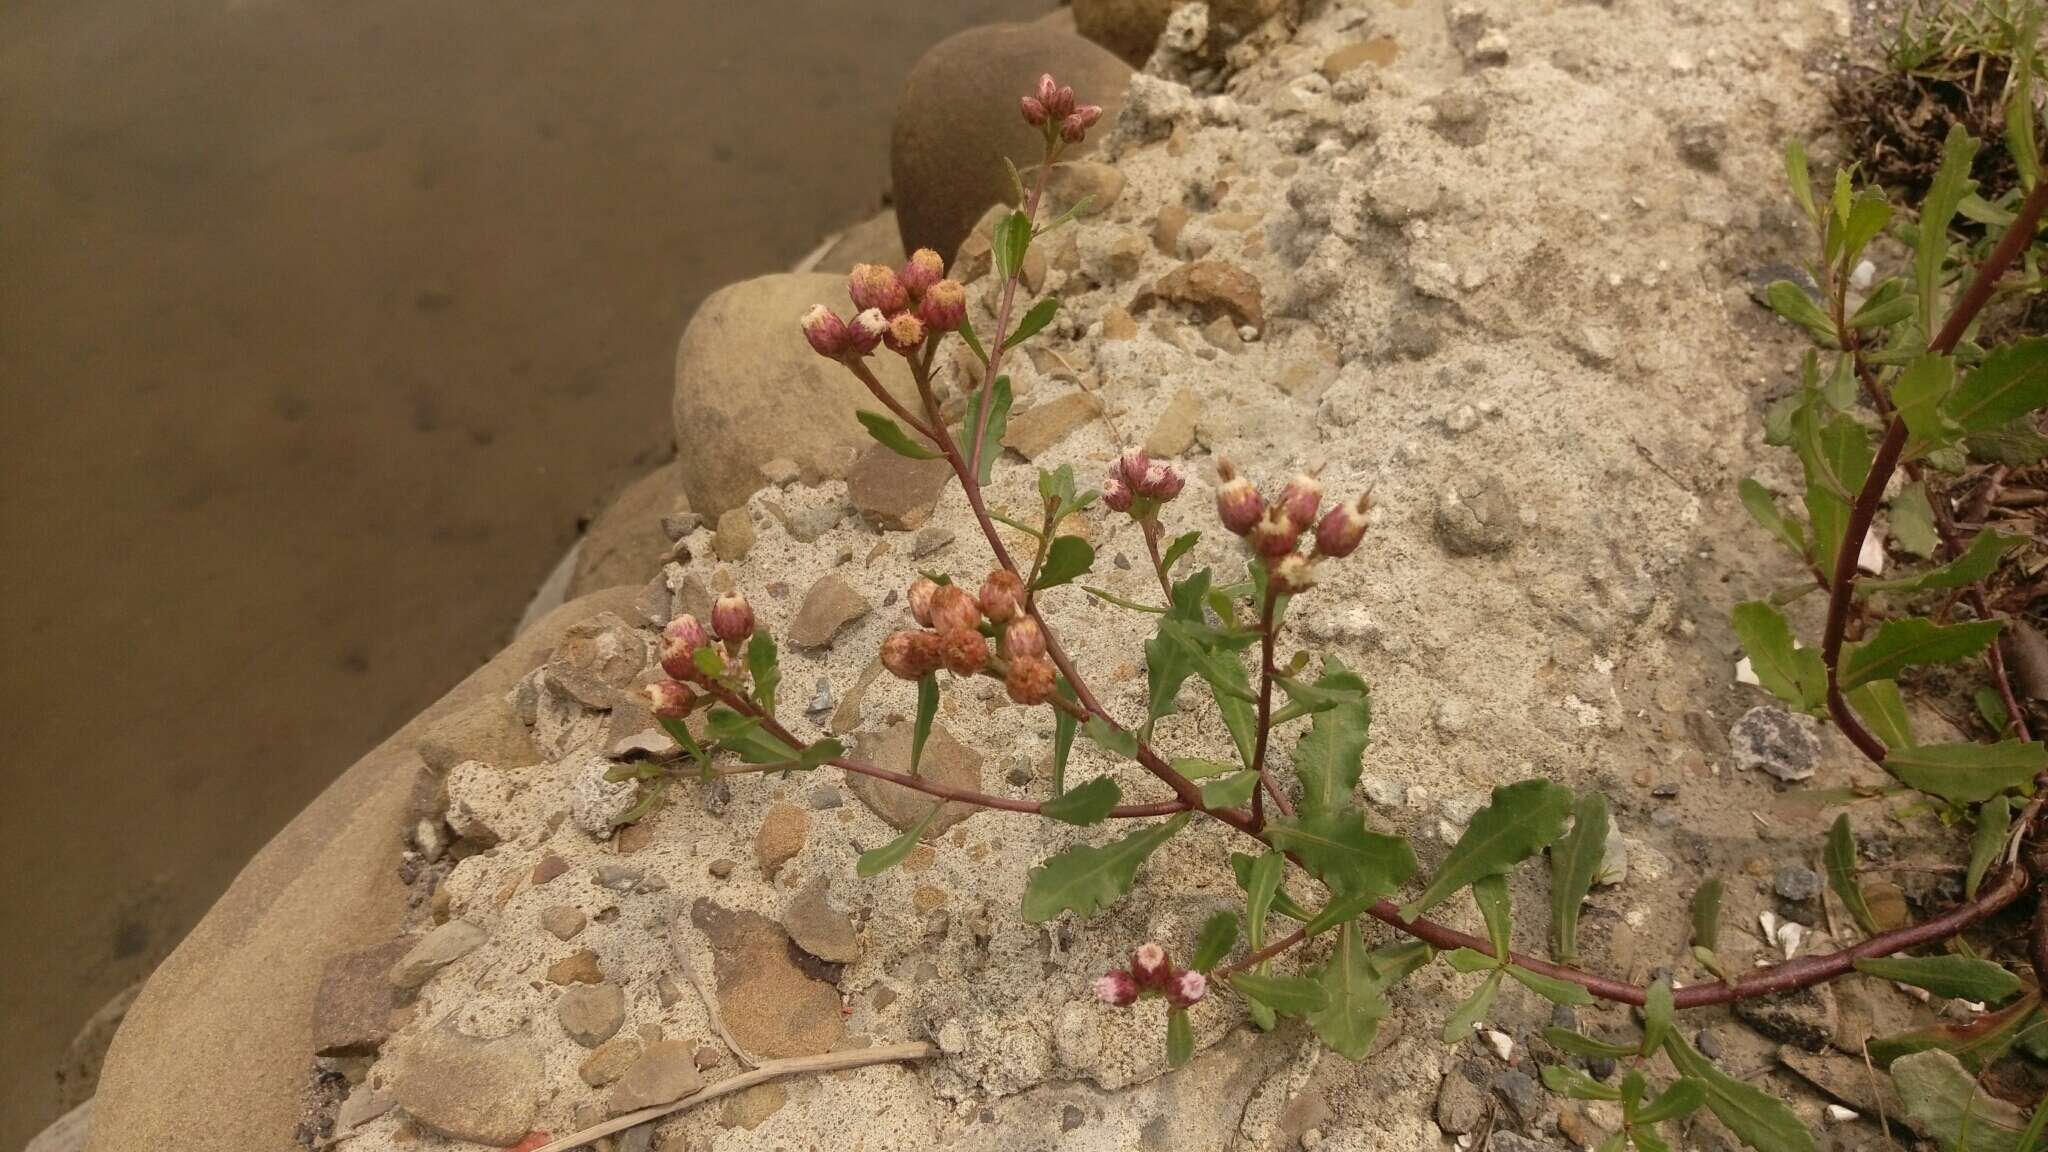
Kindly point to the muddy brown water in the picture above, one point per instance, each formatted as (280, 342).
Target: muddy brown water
(321, 324)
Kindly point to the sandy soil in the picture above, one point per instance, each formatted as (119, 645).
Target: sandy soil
(323, 325)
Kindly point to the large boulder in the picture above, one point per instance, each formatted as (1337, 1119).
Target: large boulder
(750, 389)
(214, 1053)
(626, 543)
(1128, 28)
(958, 119)
(872, 241)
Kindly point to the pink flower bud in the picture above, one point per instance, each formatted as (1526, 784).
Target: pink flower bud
(912, 655)
(944, 306)
(921, 590)
(668, 699)
(1343, 527)
(1084, 116)
(875, 286)
(1002, 595)
(1294, 573)
(953, 609)
(1186, 989)
(1024, 639)
(1116, 494)
(1116, 989)
(1030, 679)
(732, 618)
(1150, 967)
(921, 271)
(1132, 465)
(1302, 496)
(964, 650)
(1034, 112)
(679, 644)
(1162, 482)
(826, 332)
(866, 331)
(1275, 535)
(905, 332)
(1062, 103)
(1073, 129)
(1048, 93)
(1238, 504)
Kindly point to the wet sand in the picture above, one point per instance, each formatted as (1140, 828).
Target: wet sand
(321, 325)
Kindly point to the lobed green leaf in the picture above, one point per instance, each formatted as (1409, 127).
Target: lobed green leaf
(1088, 804)
(891, 435)
(1084, 879)
(1574, 862)
(1522, 819)
(1840, 858)
(1967, 773)
(1901, 644)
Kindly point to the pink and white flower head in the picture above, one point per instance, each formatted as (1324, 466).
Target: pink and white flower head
(1150, 966)
(1023, 639)
(826, 332)
(943, 307)
(1074, 127)
(1162, 482)
(921, 271)
(876, 286)
(905, 332)
(866, 331)
(1276, 534)
(1048, 95)
(1034, 112)
(1116, 989)
(732, 618)
(679, 644)
(1115, 493)
(668, 700)
(921, 590)
(1343, 527)
(1186, 989)
(1301, 498)
(1238, 503)
(1294, 573)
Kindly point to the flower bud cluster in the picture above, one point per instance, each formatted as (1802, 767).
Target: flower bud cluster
(1151, 973)
(688, 649)
(897, 308)
(1053, 111)
(1274, 531)
(1139, 485)
(955, 627)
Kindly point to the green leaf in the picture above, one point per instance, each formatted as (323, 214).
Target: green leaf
(1035, 320)
(1840, 857)
(1937, 208)
(1196, 769)
(1837, 456)
(1706, 913)
(1341, 910)
(1084, 879)
(1522, 819)
(1088, 804)
(1261, 886)
(1219, 932)
(2011, 382)
(2020, 143)
(1883, 711)
(1978, 561)
(1330, 756)
(1943, 1096)
(2016, 445)
(763, 667)
(1792, 674)
(973, 342)
(1574, 861)
(1470, 960)
(1354, 998)
(679, 731)
(1549, 987)
(1112, 739)
(1977, 1044)
(1012, 236)
(1791, 301)
(1064, 725)
(876, 861)
(1181, 546)
(1683, 1098)
(1994, 821)
(1912, 522)
(892, 436)
(1967, 773)
(1868, 216)
(1232, 791)
(744, 736)
(1800, 177)
(1334, 687)
(1572, 1083)
(1884, 307)
(1180, 1038)
(1758, 1119)
(1763, 508)
(651, 793)
(1287, 995)
(1069, 558)
(1657, 1011)
(1956, 977)
(1991, 709)
(1459, 1025)
(1491, 894)
(1337, 849)
(997, 397)
(818, 753)
(1919, 394)
(927, 709)
(1565, 1040)
(1900, 644)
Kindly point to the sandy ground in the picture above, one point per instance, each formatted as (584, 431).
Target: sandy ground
(320, 327)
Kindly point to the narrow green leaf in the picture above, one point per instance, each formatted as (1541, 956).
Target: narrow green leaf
(679, 731)
(1342, 910)
(1112, 739)
(892, 436)
(1868, 215)
(2010, 382)
(744, 736)
(1354, 1000)
(1944, 1097)
(1682, 1099)
(1196, 769)
(1260, 889)
(1337, 849)
(927, 709)
(876, 861)
(1574, 861)
(1576, 1085)
(1219, 932)
(1912, 522)
(1034, 321)
(1706, 913)
(1522, 819)
(1763, 508)
(1491, 894)
(1758, 1119)
(1069, 558)
(1956, 977)
(1007, 245)
(1084, 879)
(1088, 804)
(2020, 142)
(997, 396)
(1919, 393)
(1937, 208)
(1840, 857)
(972, 341)
(1181, 546)
(1549, 987)
(1791, 301)
(820, 752)
(1883, 711)
(1884, 307)
(1232, 791)
(1977, 1044)
(1470, 960)
(1064, 725)
(1180, 1038)
(1657, 1011)
(1991, 709)
(1459, 1025)
(1967, 773)
(1900, 644)
(1800, 176)
(1565, 1040)
(1792, 674)
(1330, 756)
(1994, 821)
(651, 793)
(1287, 995)
(1978, 561)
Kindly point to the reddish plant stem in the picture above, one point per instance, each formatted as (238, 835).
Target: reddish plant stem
(1267, 671)
(995, 348)
(1149, 528)
(1256, 958)
(2037, 939)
